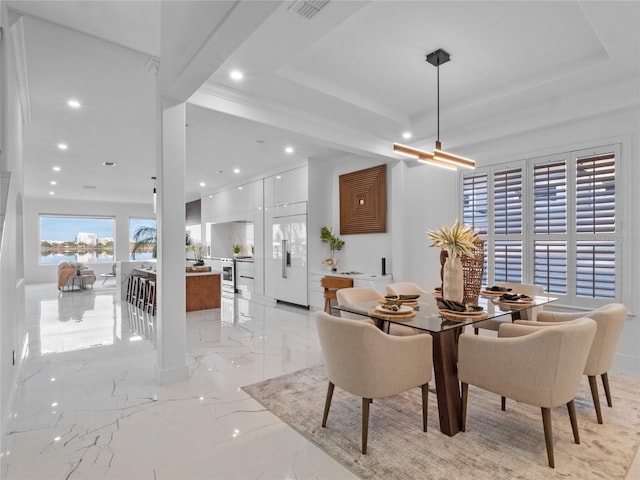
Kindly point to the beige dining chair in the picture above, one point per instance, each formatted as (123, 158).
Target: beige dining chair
(536, 366)
(410, 288)
(528, 314)
(610, 321)
(365, 294)
(356, 357)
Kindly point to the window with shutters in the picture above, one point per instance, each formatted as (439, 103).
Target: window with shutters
(550, 221)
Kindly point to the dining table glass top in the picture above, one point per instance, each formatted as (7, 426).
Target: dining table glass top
(429, 318)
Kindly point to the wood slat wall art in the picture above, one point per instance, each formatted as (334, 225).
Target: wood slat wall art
(363, 201)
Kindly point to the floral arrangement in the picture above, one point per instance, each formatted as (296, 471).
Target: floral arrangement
(457, 239)
(77, 265)
(335, 244)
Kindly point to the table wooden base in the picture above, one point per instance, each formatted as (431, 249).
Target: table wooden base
(445, 367)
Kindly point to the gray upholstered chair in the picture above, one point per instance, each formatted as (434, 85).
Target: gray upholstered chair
(537, 366)
(356, 356)
(529, 314)
(364, 294)
(610, 320)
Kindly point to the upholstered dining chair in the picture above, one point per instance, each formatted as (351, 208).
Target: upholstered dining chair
(364, 294)
(540, 367)
(529, 314)
(609, 320)
(356, 357)
(410, 288)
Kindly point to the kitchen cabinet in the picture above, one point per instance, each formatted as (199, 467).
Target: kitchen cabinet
(287, 187)
(286, 256)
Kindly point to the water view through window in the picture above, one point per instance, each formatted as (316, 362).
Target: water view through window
(76, 239)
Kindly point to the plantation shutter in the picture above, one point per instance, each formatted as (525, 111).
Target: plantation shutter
(595, 226)
(476, 202)
(507, 215)
(549, 223)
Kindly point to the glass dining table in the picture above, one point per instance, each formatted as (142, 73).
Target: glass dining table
(445, 327)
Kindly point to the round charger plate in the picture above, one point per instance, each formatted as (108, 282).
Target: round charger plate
(401, 310)
(479, 312)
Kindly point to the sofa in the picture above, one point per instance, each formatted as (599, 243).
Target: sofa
(67, 278)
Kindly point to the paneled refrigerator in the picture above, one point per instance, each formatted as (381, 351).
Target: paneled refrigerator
(286, 276)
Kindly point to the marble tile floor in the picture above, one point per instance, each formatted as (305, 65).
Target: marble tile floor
(87, 405)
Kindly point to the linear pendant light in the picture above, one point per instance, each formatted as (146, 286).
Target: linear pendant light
(438, 157)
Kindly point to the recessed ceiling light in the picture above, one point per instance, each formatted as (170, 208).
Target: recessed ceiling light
(202, 184)
(53, 182)
(289, 149)
(63, 146)
(109, 164)
(239, 188)
(236, 170)
(406, 135)
(74, 103)
(56, 169)
(236, 75)
(52, 193)
(278, 177)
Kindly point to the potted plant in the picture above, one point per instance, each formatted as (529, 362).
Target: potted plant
(456, 240)
(335, 245)
(236, 250)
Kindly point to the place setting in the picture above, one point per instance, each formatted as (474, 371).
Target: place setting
(452, 309)
(396, 307)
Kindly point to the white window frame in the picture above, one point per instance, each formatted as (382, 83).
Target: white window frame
(571, 154)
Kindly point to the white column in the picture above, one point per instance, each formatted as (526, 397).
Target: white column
(171, 316)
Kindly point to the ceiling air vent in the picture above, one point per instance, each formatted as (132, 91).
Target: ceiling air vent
(307, 8)
(89, 187)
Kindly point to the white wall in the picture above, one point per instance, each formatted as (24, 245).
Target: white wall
(12, 304)
(36, 273)
(361, 252)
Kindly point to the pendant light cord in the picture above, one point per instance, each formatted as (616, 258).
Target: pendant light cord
(438, 92)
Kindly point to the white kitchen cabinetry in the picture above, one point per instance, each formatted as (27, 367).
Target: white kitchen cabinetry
(291, 186)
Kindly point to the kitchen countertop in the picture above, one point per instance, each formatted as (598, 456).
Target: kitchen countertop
(188, 274)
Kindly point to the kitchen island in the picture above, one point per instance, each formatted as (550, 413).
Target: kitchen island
(202, 288)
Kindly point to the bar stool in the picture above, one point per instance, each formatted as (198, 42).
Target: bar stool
(142, 293)
(150, 306)
(132, 289)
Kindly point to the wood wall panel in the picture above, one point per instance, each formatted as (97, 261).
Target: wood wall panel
(363, 201)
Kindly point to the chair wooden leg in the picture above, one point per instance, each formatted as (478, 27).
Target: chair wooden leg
(327, 404)
(425, 404)
(574, 421)
(503, 403)
(365, 423)
(596, 398)
(548, 434)
(465, 394)
(605, 384)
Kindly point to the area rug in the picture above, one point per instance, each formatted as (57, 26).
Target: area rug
(496, 444)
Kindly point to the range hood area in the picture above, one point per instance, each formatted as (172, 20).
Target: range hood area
(220, 238)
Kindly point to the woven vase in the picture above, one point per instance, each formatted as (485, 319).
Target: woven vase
(453, 280)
